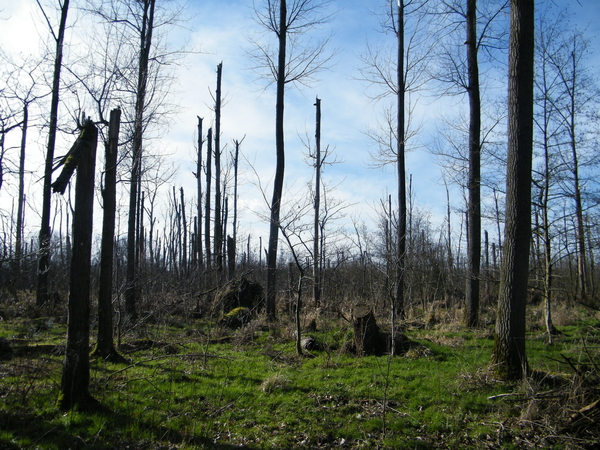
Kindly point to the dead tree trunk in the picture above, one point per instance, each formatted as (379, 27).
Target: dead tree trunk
(218, 247)
(317, 207)
(184, 262)
(105, 346)
(21, 199)
(207, 196)
(368, 338)
(76, 369)
(45, 231)
(218, 224)
(231, 257)
(138, 132)
(199, 205)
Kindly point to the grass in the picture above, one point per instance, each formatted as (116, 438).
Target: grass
(251, 390)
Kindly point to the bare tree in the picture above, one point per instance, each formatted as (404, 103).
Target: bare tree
(144, 86)
(208, 170)
(45, 232)
(21, 90)
(398, 73)
(76, 369)
(218, 235)
(145, 33)
(317, 206)
(198, 176)
(548, 128)
(287, 61)
(509, 355)
(105, 346)
(459, 73)
(577, 108)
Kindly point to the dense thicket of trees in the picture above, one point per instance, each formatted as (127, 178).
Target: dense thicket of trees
(176, 252)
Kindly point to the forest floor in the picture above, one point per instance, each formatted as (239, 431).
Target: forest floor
(190, 385)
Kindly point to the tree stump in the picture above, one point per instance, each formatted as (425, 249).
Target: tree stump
(368, 338)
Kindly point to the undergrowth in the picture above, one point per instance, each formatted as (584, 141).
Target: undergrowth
(196, 386)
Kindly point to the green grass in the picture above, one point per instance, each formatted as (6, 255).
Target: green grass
(254, 391)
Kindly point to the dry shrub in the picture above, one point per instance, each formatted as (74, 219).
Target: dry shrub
(483, 378)
(276, 382)
(564, 411)
(245, 335)
(417, 351)
(563, 315)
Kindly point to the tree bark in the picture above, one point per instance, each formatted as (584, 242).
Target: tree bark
(474, 180)
(105, 345)
(509, 355)
(184, 262)
(280, 164)
(21, 198)
(207, 196)
(231, 249)
(45, 231)
(581, 258)
(398, 302)
(76, 369)
(317, 207)
(199, 205)
(218, 248)
(138, 131)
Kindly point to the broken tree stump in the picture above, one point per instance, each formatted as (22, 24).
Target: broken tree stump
(368, 338)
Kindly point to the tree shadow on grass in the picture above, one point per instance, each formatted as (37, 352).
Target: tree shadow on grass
(37, 431)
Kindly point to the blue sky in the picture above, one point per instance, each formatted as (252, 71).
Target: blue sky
(219, 29)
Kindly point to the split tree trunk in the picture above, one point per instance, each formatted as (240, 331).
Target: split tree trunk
(76, 368)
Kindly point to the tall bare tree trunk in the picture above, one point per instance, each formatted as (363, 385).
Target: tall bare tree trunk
(184, 262)
(199, 205)
(105, 346)
(474, 181)
(76, 366)
(581, 258)
(398, 302)
(207, 196)
(317, 207)
(218, 248)
(509, 355)
(45, 231)
(131, 290)
(280, 164)
(21, 198)
(232, 242)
